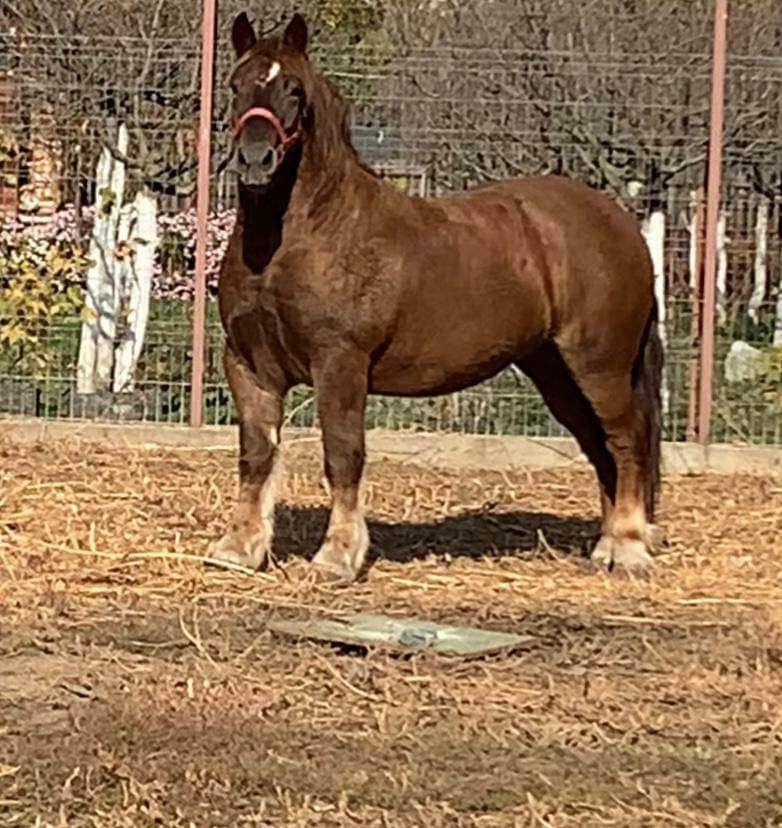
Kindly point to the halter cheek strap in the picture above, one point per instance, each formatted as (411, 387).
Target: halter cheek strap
(285, 141)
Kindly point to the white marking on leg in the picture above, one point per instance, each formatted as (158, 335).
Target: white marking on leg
(608, 512)
(268, 498)
(251, 549)
(347, 542)
(361, 543)
(629, 522)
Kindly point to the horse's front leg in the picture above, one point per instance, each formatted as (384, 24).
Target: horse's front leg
(341, 388)
(259, 402)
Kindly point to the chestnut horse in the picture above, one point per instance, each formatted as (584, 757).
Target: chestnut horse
(335, 279)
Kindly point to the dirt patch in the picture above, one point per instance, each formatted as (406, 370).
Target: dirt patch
(139, 688)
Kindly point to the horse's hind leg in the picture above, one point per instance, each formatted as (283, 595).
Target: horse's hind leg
(607, 417)
(566, 401)
(259, 402)
(341, 387)
(624, 417)
(629, 536)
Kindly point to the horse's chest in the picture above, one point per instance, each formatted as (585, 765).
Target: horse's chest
(261, 323)
(269, 313)
(305, 305)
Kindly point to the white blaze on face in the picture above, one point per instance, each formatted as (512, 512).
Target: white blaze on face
(274, 70)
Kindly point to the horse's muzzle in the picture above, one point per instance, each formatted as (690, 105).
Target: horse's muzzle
(257, 158)
(256, 167)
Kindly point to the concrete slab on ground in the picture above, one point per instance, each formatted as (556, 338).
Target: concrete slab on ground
(427, 448)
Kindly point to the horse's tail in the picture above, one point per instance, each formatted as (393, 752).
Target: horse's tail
(648, 377)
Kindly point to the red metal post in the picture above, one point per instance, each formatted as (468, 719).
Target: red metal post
(202, 211)
(714, 184)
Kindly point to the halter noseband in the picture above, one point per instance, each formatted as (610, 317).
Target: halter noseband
(285, 141)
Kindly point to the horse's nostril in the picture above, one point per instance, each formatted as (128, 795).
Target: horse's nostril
(267, 162)
(242, 159)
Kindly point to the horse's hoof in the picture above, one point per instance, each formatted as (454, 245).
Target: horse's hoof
(334, 562)
(342, 555)
(623, 555)
(330, 573)
(230, 549)
(655, 537)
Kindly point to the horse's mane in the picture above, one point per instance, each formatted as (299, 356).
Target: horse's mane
(331, 131)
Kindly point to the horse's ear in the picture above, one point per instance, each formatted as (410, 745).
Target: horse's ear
(242, 34)
(295, 35)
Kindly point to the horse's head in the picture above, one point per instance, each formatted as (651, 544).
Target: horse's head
(270, 98)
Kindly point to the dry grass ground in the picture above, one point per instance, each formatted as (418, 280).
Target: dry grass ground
(138, 687)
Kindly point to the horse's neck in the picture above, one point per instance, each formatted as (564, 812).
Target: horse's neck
(330, 166)
(320, 192)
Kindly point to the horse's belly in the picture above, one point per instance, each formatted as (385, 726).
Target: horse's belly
(449, 361)
(474, 301)
(421, 380)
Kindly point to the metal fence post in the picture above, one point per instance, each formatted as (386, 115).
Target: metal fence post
(208, 35)
(714, 183)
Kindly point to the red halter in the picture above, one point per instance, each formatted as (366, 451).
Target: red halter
(285, 141)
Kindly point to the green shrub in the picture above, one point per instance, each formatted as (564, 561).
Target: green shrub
(40, 283)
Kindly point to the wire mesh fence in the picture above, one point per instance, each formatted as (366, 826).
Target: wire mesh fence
(615, 94)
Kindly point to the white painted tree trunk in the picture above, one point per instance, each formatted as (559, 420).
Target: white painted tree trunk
(121, 260)
(111, 297)
(722, 267)
(143, 243)
(694, 240)
(761, 260)
(778, 312)
(96, 351)
(653, 230)
(778, 321)
(123, 272)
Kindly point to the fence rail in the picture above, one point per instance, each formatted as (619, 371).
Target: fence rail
(617, 94)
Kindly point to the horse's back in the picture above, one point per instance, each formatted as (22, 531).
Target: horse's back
(569, 215)
(589, 250)
(591, 260)
(600, 270)
(585, 217)
(598, 262)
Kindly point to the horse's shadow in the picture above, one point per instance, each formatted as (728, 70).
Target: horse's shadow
(471, 534)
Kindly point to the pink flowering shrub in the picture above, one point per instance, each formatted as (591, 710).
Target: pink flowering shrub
(59, 230)
(174, 273)
(175, 266)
